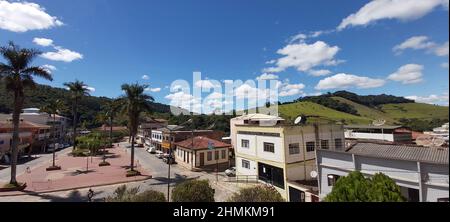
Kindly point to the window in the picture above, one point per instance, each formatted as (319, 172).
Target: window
(246, 164)
(245, 144)
(332, 179)
(224, 154)
(269, 147)
(338, 144)
(294, 149)
(310, 146)
(188, 157)
(209, 156)
(216, 155)
(324, 144)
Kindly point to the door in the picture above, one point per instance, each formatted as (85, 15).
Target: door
(202, 159)
(296, 195)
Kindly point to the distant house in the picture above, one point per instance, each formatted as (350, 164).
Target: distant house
(146, 127)
(30, 134)
(202, 152)
(397, 134)
(421, 172)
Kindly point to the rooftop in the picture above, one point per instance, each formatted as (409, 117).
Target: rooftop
(22, 124)
(201, 143)
(372, 127)
(437, 155)
(259, 116)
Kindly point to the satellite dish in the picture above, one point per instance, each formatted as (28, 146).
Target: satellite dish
(437, 141)
(300, 120)
(429, 141)
(379, 122)
(313, 174)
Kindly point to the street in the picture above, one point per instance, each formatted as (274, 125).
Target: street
(157, 168)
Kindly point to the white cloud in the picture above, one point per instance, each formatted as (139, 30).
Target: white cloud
(422, 42)
(403, 10)
(91, 89)
(62, 54)
(49, 68)
(408, 74)
(415, 42)
(184, 100)
(291, 90)
(321, 72)
(206, 84)
(153, 89)
(266, 76)
(145, 77)
(442, 50)
(304, 57)
(245, 91)
(43, 42)
(215, 95)
(444, 65)
(25, 16)
(343, 81)
(431, 99)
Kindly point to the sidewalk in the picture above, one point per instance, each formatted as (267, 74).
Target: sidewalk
(74, 176)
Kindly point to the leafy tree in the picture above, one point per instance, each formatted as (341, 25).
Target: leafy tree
(123, 194)
(257, 194)
(193, 191)
(77, 89)
(134, 102)
(17, 74)
(356, 188)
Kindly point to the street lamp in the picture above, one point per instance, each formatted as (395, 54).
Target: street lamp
(169, 160)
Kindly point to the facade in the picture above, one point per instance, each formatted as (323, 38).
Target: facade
(421, 172)
(397, 134)
(284, 155)
(34, 115)
(31, 134)
(144, 133)
(440, 132)
(163, 139)
(202, 152)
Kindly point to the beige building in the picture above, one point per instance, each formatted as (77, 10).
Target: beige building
(202, 153)
(284, 155)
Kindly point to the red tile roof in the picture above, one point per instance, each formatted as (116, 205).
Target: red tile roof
(23, 125)
(201, 143)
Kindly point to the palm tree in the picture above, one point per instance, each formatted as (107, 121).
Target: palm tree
(78, 89)
(54, 107)
(17, 74)
(134, 102)
(112, 107)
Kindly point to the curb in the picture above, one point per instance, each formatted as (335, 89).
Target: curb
(75, 188)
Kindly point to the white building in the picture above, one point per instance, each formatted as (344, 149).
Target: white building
(283, 155)
(422, 173)
(396, 134)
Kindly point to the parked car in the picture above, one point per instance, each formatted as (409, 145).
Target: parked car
(231, 172)
(152, 150)
(51, 147)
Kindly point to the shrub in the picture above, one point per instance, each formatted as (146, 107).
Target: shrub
(80, 153)
(260, 193)
(132, 173)
(193, 191)
(356, 188)
(122, 194)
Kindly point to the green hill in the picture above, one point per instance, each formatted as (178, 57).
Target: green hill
(291, 111)
(366, 111)
(416, 111)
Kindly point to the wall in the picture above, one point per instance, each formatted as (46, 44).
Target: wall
(243, 171)
(374, 136)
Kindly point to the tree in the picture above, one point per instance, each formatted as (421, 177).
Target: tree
(134, 102)
(52, 108)
(17, 74)
(193, 191)
(112, 108)
(123, 194)
(257, 194)
(77, 89)
(356, 188)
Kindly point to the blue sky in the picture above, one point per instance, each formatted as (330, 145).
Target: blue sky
(113, 42)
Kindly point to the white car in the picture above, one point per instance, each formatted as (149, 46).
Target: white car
(151, 150)
(231, 172)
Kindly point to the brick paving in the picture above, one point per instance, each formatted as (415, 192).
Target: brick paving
(73, 173)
